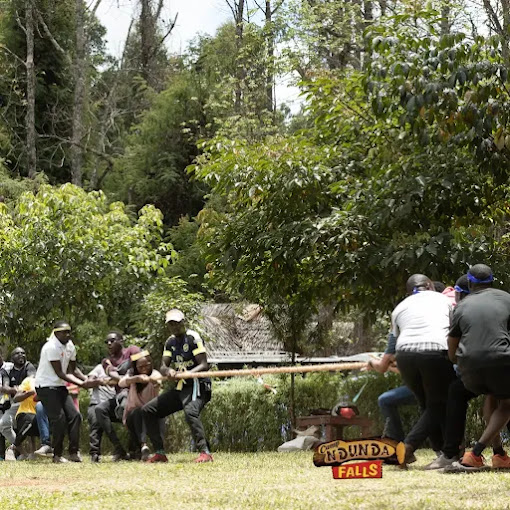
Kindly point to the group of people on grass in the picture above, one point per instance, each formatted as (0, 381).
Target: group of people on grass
(124, 387)
(450, 347)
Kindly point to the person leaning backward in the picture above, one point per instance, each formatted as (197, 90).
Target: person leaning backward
(184, 351)
(57, 365)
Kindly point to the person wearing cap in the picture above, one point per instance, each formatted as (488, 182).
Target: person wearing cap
(184, 352)
(57, 364)
(479, 342)
(457, 404)
(110, 411)
(420, 323)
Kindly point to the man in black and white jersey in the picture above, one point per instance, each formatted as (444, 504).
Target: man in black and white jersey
(184, 351)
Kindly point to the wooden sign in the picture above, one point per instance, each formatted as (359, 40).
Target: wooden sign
(336, 453)
(370, 469)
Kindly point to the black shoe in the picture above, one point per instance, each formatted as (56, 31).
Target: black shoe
(118, 457)
(95, 457)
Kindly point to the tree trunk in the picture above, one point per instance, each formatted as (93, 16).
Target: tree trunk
(445, 21)
(240, 71)
(270, 58)
(147, 41)
(30, 117)
(79, 96)
(292, 406)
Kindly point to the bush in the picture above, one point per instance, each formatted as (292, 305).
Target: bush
(243, 416)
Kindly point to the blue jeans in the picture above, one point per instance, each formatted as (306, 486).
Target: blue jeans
(389, 402)
(43, 424)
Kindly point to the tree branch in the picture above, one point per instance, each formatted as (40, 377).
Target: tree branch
(493, 16)
(94, 9)
(158, 10)
(168, 32)
(5, 48)
(18, 21)
(52, 39)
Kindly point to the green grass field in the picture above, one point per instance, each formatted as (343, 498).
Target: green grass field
(247, 481)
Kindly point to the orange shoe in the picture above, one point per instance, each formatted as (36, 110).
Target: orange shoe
(157, 457)
(501, 461)
(471, 462)
(204, 457)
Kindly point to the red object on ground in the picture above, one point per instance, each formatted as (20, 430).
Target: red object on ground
(157, 457)
(347, 412)
(204, 457)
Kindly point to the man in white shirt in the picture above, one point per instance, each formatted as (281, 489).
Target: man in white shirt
(421, 323)
(57, 365)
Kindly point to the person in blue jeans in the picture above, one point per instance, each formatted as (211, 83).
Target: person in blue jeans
(390, 401)
(43, 425)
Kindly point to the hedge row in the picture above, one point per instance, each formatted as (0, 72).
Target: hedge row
(245, 416)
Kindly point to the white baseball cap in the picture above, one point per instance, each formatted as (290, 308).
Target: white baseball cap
(174, 316)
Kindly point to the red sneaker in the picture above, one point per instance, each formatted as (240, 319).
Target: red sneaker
(471, 462)
(157, 457)
(501, 461)
(204, 457)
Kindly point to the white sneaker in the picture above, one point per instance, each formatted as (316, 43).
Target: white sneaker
(145, 452)
(44, 451)
(59, 460)
(10, 453)
(441, 462)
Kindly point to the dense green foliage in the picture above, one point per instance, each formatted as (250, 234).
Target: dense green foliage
(68, 253)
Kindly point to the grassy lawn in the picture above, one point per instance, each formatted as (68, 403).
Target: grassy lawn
(248, 481)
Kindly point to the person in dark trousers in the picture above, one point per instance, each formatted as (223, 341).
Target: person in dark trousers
(20, 370)
(6, 392)
(57, 365)
(479, 341)
(184, 351)
(457, 404)
(98, 395)
(390, 401)
(143, 384)
(420, 324)
(111, 411)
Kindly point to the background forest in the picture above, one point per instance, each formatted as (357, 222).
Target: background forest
(156, 179)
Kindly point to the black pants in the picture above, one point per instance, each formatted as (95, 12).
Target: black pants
(428, 374)
(95, 431)
(63, 416)
(26, 425)
(458, 400)
(170, 402)
(134, 423)
(105, 415)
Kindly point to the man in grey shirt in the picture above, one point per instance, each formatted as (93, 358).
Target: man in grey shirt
(479, 342)
(98, 395)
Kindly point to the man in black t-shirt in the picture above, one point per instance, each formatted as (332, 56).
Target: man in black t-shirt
(12, 379)
(479, 341)
(184, 351)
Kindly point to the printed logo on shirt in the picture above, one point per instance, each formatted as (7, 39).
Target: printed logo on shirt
(185, 347)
